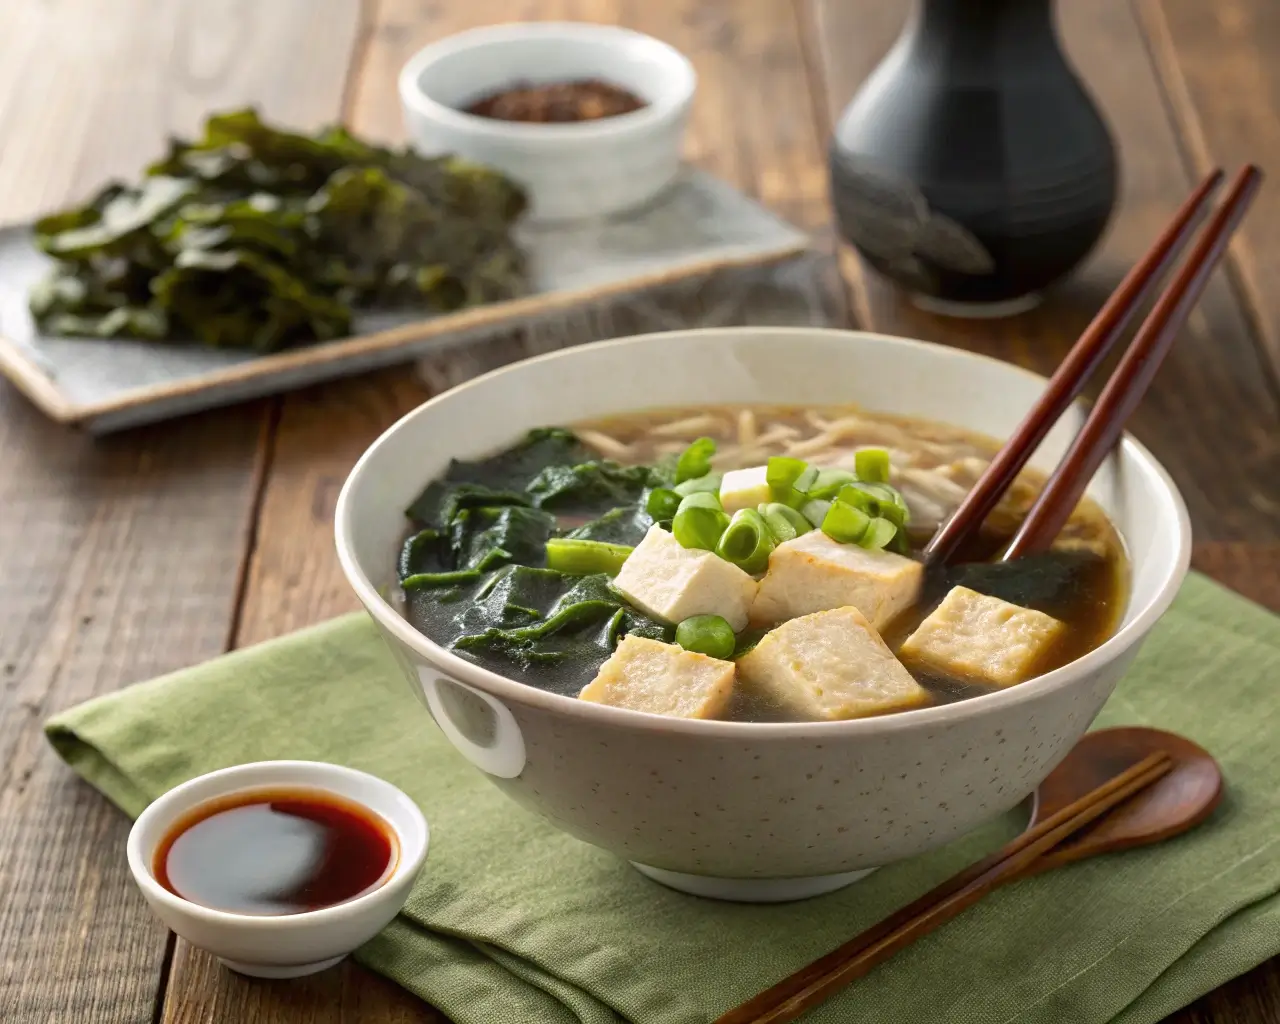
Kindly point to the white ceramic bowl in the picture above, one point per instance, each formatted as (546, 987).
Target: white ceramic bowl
(291, 945)
(585, 169)
(736, 809)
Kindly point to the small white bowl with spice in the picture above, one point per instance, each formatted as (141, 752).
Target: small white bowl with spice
(588, 118)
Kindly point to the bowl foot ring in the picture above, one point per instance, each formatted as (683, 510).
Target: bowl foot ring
(280, 970)
(751, 890)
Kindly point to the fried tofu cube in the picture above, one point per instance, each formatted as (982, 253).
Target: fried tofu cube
(982, 639)
(671, 582)
(814, 573)
(827, 666)
(744, 488)
(663, 679)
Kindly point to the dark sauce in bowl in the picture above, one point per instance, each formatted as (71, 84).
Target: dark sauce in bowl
(556, 102)
(270, 852)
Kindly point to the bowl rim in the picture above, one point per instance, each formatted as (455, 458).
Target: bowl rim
(174, 803)
(505, 688)
(606, 37)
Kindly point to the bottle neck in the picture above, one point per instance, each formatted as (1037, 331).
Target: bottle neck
(1006, 31)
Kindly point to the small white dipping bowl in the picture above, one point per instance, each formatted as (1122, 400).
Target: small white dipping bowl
(289, 945)
(744, 810)
(574, 170)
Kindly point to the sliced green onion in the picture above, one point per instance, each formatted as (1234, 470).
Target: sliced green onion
(585, 557)
(706, 634)
(844, 523)
(806, 479)
(695, 461)
(872, 465)
(781, 471)
(876, 500)
(882, 491)
(860, 498)
(829, 483)
(746, 541)
(789, 479)
(662, 504)
(784, 522)
(815, 511)
(707, 482)
(878, 534)
(782, 474)
(699, 521)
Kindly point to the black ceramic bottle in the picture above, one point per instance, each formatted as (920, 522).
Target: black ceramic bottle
(972, 167)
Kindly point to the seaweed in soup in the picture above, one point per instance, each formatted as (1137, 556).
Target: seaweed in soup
(626, 524)
(590, 487)
(474, 574)
(1053, 582)
(515, 467)
(544, 627)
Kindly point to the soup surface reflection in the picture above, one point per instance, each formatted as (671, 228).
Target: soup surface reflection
(476, 576)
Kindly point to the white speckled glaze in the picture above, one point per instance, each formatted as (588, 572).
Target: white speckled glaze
(747, 801)
(570, 170)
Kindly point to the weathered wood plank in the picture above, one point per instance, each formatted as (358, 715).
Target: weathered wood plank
(1192, 417)
(1219, 69)
(752, 124)
(120, 559)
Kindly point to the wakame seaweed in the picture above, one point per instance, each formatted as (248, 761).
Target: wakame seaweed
(590, 487)
(626, 524)
(474, 574)
(567, 638)
(258, 238)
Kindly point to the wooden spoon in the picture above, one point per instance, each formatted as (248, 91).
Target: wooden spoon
(1173, 803)
(1179, 801)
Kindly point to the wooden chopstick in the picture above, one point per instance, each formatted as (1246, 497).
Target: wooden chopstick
(1069, 379)
(819, 980)
(1137, 367)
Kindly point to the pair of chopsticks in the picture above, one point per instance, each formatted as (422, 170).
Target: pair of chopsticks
(1123, 391)
(817, 982)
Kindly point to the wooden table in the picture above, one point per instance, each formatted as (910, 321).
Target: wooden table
(131, 556)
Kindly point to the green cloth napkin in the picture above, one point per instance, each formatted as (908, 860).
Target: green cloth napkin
(513, 922)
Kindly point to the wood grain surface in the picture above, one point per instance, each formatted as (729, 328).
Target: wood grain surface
(158, 548)
(1218, 66)
(119, 560)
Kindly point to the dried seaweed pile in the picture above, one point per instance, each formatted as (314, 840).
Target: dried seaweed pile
(263, 239)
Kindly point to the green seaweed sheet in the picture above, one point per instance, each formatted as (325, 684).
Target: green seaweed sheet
(257, 238)
(474, 573)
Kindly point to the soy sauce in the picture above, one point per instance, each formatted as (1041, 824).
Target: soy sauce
(271, 852)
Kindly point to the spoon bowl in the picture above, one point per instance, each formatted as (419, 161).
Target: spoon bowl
(1179, 801)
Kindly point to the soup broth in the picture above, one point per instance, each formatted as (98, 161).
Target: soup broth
(474, 570)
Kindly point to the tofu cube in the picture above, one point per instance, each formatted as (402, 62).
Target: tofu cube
(670, 582)
(663, 679)
(744, 488)
(814, 573)
(982, 639)
(827, 666)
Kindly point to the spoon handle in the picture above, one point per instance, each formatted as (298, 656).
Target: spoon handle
(817, 981)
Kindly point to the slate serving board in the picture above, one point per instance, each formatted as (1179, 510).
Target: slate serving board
(699, 226)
